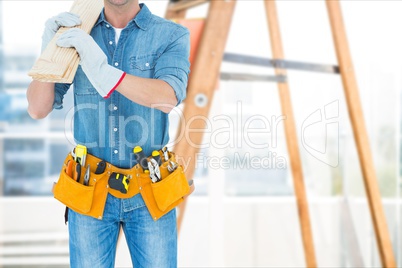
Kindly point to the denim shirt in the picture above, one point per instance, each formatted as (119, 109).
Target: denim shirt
(148, 47)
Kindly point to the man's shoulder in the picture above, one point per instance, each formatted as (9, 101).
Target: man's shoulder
(169, 26)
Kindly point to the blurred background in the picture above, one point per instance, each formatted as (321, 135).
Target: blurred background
(240, 215)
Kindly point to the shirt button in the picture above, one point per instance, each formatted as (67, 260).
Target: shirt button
(110, 43)
(115, 108)
(116, 64)
(115, 151)
(147, 64)
(107, 25)
(115, 129)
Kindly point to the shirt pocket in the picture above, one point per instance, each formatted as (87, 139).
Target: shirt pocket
(143, 65)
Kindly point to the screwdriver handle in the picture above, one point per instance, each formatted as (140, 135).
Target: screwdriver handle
(69, 168)
(77, 173)
(157, 157)
(140, 157)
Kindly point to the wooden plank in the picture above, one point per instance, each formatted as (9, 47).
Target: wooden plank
(175, 14)
(360, 134)
(203, 81)
(57, 64)
(185, 4)
(291, 137)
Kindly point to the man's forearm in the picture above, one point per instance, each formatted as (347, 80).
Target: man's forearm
(155, 93)
(148, 92)
(40, 97)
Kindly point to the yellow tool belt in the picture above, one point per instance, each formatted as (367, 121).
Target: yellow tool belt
(159, 197)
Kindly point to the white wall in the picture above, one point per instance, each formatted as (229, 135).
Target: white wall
(259, 232)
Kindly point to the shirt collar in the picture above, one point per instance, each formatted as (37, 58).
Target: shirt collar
(142, 19)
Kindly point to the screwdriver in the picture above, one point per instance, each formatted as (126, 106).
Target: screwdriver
(77, 174)
(140, 157)
(157, 157)
(69, 168)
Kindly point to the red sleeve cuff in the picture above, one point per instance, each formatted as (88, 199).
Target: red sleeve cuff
(114, 88)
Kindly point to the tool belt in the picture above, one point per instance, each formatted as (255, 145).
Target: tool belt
(159, 197)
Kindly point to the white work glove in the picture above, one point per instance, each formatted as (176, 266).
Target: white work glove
(104, 77)
(52, 25)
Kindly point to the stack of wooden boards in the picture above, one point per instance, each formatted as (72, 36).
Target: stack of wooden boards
(57, 64)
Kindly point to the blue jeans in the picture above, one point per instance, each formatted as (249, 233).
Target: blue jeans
(151, 243)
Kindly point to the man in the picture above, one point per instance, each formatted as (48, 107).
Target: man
(134, 69)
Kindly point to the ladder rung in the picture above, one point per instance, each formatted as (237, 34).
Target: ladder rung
(282, 64)
(185, 4)
(253, 77)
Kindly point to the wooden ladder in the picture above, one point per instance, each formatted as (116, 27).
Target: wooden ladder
(206, 71)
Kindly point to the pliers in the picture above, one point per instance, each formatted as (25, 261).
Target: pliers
(154, 171)
(87, 175)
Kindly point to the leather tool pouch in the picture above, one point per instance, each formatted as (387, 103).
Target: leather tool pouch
(164, 195)
(85, 199)
(160, 197)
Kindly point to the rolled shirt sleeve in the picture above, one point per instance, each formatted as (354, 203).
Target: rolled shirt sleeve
(59, 91)
(173, 65)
